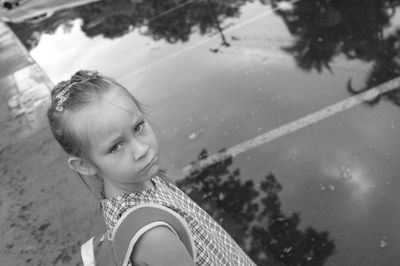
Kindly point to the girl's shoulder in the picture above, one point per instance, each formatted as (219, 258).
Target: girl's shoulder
(151, 222)
(162, 246)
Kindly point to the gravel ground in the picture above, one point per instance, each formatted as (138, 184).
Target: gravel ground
(45, 212)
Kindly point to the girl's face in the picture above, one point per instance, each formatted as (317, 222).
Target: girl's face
(123, 146)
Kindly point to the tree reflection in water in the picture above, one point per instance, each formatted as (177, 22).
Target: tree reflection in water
(325, 29)
(253, 216)
(168, 20)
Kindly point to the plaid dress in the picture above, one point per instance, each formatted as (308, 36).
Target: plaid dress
(214, 246)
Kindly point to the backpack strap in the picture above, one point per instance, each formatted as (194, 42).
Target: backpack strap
(97, 251)
(87, 253)
(138, 220)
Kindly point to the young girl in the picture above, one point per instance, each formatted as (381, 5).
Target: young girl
(114, 150)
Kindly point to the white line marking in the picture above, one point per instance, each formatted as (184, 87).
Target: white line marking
(295, 125)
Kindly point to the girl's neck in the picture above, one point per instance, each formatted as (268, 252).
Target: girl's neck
(111, 190)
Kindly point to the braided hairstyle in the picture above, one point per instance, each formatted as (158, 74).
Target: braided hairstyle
(67, 99)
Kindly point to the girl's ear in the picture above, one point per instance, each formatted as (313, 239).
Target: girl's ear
(81, 166)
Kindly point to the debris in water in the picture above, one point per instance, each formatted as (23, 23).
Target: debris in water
(383, 242)
(193, 136)
(345, 173)
(287, 249)
(293, 154)
(206, 195)
(221, 196)
(323, 187)
(196, 134)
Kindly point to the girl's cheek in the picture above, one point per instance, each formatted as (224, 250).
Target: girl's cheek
(116, 159)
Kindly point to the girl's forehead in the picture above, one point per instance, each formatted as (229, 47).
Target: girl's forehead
(113, 113)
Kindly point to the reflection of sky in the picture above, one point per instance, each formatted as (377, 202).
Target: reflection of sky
(121, 56)
(345, 167)
(62, 54)
(341, 174)
(349, 161)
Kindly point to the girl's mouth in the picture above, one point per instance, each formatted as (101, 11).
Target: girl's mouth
(150, 164)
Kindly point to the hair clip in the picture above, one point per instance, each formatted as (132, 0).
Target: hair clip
(61, 97)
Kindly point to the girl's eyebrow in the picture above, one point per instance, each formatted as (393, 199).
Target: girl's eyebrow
(110, 141)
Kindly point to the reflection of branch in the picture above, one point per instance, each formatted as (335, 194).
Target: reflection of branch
(217, 24)
(393, 94)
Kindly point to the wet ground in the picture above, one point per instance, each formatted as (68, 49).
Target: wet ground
(217, 74)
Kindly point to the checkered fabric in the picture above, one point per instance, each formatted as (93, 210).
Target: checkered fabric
(214, 245)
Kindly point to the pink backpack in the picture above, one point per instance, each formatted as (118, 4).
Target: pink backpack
(115, 250)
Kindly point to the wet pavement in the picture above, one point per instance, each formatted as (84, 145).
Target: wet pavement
(24, 88)
(38, 10)
(324, 194)
(12, 58)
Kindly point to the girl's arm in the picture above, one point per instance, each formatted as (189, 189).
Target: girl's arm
(160, 246)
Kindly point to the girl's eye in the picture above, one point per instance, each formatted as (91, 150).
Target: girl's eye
(139, 126)
(116, 148)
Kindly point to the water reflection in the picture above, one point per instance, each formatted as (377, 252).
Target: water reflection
(253, 215)
(327, 29)
(323, 29)
(173, 21)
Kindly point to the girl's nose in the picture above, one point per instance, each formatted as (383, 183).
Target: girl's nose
(139, 149)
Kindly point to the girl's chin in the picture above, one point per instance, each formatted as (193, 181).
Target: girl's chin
(153, 171)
